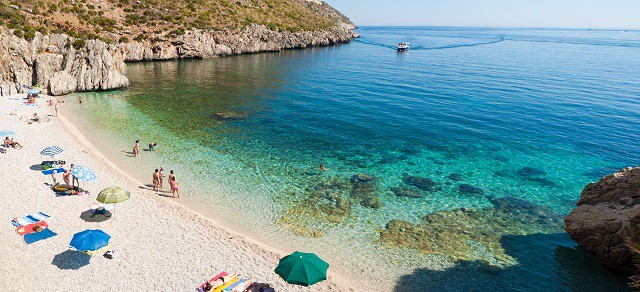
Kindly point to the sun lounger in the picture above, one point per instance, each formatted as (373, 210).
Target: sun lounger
(22, 230)
(223, 274)
(30, 219)
(37, 236)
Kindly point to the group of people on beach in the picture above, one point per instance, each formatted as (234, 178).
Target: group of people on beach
(158, 174)
(158, 181)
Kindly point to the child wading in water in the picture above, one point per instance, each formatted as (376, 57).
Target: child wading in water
(136, 148)
(174, 187)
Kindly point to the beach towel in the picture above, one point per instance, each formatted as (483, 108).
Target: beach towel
(22, 230)
(243, 286)
(234, 285)
(50, 171)
(225, 285)
(37, 236)
(223, 274)
(30, 219)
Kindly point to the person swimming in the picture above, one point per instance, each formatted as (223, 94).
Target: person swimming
(322, 167)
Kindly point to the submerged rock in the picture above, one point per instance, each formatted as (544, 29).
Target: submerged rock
(467, 189)
(459, 233)
(607, 219)
(371, 202)
(423, 183)
(455, 176)
(407, 191)
(530, 172)
(230, 115)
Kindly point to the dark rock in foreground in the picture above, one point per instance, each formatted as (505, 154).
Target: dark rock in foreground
(407, 191)
(467, 189)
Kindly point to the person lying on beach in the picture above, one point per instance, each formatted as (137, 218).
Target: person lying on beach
(10, 143)
(51, 102)
(136, 148)
(152, 146)
(156, 180)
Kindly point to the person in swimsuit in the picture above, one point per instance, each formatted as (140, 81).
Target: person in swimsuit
(55, 107)
(322, 167)
(80, 99)
(10, 143)
(161, 177)
(136, 148)
(66, 174)
(152, 146)
(156, 180)
(174, 187)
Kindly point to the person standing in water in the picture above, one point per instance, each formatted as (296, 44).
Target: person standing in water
(55, 107)
(156, 180)
(80, 99)
(161, 177)
(174, 187)
(136, 149)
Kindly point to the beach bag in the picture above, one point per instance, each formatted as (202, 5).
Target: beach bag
(110, 254)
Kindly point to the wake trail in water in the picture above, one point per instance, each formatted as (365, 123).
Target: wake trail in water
(426, 48)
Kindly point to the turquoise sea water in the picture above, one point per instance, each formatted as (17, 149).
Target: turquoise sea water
(508, 124)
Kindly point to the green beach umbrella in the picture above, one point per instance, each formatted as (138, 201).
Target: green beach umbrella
(112, 195)
(302, 268)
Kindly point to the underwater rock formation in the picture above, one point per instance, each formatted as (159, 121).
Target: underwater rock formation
(463, 233)
(467, 189)
(407, 191)
(423, 183)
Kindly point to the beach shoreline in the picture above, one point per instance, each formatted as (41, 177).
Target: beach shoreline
(237, 250)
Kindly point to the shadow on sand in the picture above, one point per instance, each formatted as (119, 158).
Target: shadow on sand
(545, 263)
(90, 216)
(71, 260)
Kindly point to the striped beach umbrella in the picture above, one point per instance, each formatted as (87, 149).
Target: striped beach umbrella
(5, 133)
(51, 151)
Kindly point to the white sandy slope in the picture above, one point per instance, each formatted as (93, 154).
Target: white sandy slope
(160, 245)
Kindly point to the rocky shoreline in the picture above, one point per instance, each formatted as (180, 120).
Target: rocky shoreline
(62, 65)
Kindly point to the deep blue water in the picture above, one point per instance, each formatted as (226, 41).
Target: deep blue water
(530, 115)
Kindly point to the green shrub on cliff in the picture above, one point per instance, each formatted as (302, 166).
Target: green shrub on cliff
(154, 18)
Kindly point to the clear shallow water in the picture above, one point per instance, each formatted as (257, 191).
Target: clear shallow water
(508, 124)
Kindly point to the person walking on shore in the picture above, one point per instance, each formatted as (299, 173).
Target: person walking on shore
(161, 178)
(156, 180)
(174, 187)
(55, 107)
(136, 148)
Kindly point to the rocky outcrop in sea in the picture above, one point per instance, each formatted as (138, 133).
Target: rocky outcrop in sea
(61, 65)
(607, 218)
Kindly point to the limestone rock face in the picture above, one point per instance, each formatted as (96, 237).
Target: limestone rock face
(51, 62)
(607, 217)
(251, 39)
(62, 83)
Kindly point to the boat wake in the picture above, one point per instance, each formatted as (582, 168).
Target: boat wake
(427, 48)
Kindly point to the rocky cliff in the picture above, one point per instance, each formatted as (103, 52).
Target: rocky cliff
(52, 62)
(607, 218)
(63, 64)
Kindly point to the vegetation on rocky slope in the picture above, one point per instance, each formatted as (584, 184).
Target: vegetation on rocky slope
(125, 20)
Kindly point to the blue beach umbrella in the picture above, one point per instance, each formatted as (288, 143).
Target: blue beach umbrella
(51, 151)
(83, 173)
(6, 133)
(33, 91)
(90, 240)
